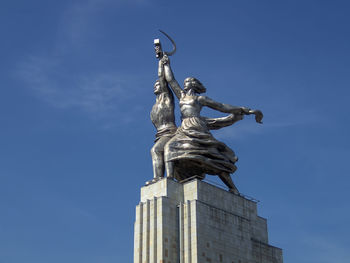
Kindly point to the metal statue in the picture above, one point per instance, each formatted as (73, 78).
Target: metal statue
(162, 115)
(158, 47)
(192, 150)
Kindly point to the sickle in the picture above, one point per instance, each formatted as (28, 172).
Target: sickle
(172, 41)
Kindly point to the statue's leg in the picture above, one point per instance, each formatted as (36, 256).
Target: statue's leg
(169, 165)
(226, 178)
(157, 153)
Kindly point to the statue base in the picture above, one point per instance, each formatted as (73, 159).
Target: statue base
(195, 222)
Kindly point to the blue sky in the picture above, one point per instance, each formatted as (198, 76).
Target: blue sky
(77, 87)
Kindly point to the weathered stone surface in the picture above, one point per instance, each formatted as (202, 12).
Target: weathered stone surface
(196, 222)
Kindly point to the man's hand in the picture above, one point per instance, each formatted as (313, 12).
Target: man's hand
(246, 111)
(258, 114)
(238, 116)
(160, 69)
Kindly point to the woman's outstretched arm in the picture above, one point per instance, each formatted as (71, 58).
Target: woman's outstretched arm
(205, 101)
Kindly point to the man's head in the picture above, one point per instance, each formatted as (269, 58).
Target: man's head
(157, 89)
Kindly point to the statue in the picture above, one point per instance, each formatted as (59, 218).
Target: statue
(192, 150)
(163, 119)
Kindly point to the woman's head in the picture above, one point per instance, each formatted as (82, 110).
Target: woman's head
(194, 84)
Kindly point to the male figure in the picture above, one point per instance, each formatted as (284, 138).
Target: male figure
(162, 117)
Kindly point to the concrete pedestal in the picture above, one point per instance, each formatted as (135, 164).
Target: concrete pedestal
(196, 222)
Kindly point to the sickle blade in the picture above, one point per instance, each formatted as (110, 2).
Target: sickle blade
(172, 41)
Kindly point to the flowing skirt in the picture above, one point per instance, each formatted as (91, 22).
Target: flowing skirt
(195, 151)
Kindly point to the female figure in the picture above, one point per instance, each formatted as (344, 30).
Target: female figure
(193, 150)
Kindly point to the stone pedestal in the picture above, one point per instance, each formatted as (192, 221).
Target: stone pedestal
(196, 222)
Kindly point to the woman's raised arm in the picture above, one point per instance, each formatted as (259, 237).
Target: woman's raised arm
(169, 76)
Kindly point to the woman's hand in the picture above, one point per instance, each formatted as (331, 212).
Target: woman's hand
(165, 60)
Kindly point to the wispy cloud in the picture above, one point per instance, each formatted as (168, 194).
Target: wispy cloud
(328, 250)
(79, 20)
(95, 93)
(53, 78)
(238, 130)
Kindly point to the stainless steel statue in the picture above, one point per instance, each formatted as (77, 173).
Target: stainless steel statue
(162, 116)
(192, 150)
